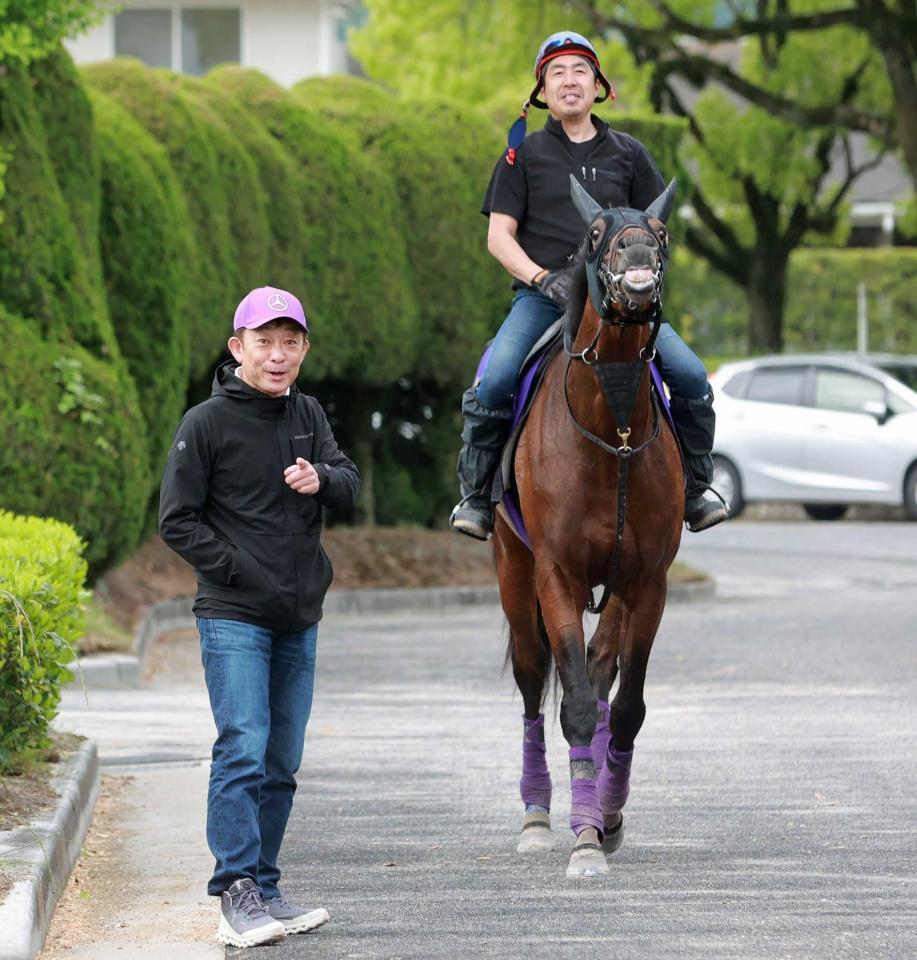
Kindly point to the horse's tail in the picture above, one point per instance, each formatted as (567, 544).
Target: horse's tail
(552, 681)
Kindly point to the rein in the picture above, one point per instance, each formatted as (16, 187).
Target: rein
(620, 383)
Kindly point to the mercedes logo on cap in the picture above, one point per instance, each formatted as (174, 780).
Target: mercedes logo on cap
(277, 302)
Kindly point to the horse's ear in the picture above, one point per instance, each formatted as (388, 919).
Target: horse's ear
(587, 207)
(662, 206)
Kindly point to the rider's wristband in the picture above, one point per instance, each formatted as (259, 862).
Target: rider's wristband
(541, 273)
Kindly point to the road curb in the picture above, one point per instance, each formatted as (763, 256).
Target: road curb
(48, 849)
(117, 671)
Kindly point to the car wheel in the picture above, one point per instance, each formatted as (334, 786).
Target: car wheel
(910, 493)
(727, 484)
(825, 511)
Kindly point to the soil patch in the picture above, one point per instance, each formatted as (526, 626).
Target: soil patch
(362, 558)
(98, 877)
(28, 792)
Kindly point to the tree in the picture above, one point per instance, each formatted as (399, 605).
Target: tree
(31, 29)
(476, 51)
(888, 26)
(762, 181)
(759, 182)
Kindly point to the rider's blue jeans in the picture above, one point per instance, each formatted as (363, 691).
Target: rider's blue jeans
(532, 313)
(260, 685)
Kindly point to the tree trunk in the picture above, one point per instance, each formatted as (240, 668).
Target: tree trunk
(766, 292)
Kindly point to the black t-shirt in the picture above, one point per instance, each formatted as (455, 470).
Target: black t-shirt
(616, 169)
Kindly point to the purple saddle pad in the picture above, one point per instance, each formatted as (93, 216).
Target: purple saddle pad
(529, 378)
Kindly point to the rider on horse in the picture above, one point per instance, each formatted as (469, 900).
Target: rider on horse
(534, 232)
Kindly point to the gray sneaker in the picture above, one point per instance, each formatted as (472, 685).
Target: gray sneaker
(244, 918)
(295, 919)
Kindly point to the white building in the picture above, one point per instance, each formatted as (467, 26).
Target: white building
(288, 40)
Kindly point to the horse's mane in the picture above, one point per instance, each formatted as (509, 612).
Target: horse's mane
(576, 303)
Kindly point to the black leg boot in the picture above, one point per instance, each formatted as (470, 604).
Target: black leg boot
(695, 421)
(485, 432)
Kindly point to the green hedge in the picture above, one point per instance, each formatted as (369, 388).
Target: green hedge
(41, 620)
(440, 162)
(357, 271)
(146, 248)
(193, 144)
(46, 271)
(72, 441)
(711, 312)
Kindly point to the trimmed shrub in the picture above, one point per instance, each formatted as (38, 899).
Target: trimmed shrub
(195, 147)
(440, 159)
(46, 272)
(711, 312)
(41, 619)
(822, 298)
(357, 277)
(146, 247)
(72, 441)
(282, 259)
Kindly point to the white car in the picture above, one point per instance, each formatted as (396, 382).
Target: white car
(821, 430)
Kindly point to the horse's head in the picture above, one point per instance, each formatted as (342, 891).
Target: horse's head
(626, 253)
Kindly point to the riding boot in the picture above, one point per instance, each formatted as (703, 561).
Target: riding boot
(485, 431)
(695, 421)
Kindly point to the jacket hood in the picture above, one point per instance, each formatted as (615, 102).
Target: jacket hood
(227, 384)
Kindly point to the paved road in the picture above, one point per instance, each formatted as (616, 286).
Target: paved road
(773, 804)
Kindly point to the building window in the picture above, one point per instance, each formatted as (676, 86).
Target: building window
(192, 40)
(145, 34)
(208, 38)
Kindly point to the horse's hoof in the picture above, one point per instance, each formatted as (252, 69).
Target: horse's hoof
(588, 857)
(536, 833)
(614, 833)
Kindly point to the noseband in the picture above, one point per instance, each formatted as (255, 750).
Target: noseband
(611, 301)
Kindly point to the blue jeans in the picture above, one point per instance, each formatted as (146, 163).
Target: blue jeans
(682, 369)
(532, 313)
(529, 316)
(260, 684)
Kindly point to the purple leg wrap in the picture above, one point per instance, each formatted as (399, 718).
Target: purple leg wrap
(535, 785)
(614, 779)
(602, 736)
(584, 802)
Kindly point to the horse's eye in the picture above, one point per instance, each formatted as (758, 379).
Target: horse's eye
(594, 234)
(663, 237)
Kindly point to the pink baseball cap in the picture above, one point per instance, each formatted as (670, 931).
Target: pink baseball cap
(264, 304)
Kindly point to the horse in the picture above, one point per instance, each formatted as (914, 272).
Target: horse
(599, 480)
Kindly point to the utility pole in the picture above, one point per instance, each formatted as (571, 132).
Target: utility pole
(862, 319)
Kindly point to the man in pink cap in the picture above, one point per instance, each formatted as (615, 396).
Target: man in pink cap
(242, 494)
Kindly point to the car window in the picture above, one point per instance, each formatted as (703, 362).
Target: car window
(846, 392)
(735, 385)
(777, 385)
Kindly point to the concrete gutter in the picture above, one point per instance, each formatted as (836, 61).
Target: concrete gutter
(43, 854)
(120, 671)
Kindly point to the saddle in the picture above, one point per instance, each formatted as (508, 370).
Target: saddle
(531, 378)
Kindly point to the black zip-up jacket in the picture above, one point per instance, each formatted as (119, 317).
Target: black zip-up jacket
(614, 167)
(225, 507)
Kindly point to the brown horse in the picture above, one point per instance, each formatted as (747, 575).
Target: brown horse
(604, 509)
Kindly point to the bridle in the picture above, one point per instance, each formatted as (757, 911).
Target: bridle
(619, 381)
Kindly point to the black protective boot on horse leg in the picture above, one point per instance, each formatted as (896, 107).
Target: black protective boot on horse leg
(485, 431)
(695, 421)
